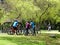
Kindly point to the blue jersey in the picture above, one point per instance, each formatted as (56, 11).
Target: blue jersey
(32, 24)
(15, 24)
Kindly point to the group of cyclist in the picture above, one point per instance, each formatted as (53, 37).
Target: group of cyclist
(29, 25)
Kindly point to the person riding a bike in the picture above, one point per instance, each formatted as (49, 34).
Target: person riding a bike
(15, 25)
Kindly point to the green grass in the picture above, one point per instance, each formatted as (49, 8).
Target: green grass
(6, 42)
(18, 40)
(40, 39)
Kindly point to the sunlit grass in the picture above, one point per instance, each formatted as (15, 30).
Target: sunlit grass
(21, 40)
(39, 39)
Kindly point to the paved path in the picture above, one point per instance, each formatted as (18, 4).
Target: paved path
(50, 32)
(42, 31)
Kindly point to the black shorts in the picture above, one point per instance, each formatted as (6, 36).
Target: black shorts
(15, 28)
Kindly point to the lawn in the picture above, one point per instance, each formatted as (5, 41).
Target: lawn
(40, 39)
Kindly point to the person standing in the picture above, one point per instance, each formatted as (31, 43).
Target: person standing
(33, 28)
(27, 27)
(49, 27)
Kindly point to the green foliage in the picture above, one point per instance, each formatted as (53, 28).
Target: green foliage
(31, 9)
